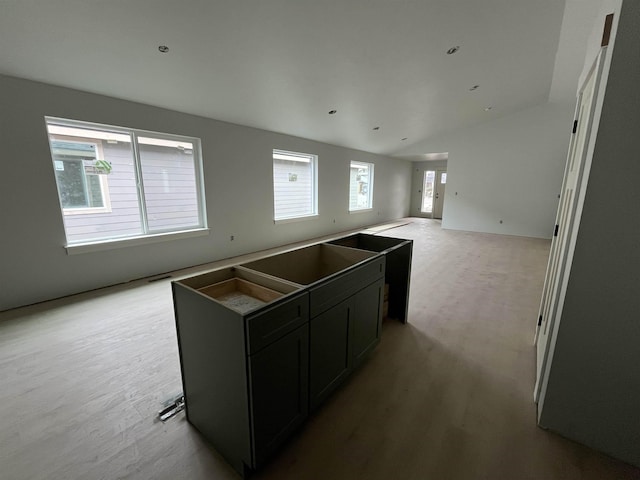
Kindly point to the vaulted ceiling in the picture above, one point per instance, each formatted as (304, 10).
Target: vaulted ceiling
(282, 65)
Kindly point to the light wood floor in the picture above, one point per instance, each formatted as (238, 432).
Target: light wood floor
(448, 396)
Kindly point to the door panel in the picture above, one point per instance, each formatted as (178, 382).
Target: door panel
(566, 221)
(438, 200)
(428, 190)
(279, 391)
(367, 320)
(330, 351)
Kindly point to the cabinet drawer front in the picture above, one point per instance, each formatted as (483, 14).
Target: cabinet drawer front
(269, 325)
(343, 286)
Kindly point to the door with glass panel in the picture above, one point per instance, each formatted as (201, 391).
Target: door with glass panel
(438, 198)
(428, 190)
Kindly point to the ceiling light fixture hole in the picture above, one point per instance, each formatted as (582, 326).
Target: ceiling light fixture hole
(453, 50)
(376, 128)
(163, 49)
(333, 112)
(475, 87)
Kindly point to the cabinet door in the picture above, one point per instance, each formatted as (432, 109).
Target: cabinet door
(330, 351)
(366, 320)
(279, 386)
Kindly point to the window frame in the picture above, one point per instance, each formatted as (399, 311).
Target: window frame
(371, 167)
(147, 236)
(313, 160)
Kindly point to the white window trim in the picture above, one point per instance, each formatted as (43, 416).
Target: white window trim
(301, 218)
(98, 246)
(304, 158)
(360, 210)
(371, 167)
(113, 132)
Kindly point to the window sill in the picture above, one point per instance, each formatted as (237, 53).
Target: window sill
(361, 210)
(295, 219)
(101, 245)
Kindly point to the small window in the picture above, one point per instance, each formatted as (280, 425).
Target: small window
(115, 183)
(360, 186)
(443, 178)
(294, 185)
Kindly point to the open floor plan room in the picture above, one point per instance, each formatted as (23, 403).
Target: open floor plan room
(447, 396)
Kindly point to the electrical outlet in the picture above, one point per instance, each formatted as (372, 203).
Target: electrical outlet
(232, 238)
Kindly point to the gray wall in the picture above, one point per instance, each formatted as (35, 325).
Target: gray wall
(34, 262)
(593, 389)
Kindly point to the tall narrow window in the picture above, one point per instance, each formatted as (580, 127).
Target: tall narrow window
(427, 191)
(360, 186)
(115, 183)
(294, 185)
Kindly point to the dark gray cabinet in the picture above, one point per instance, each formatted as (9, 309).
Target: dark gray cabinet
(341, 338)
(398, 253)
(244, 357)
(264, 342)
(366, 320)
(279, 386)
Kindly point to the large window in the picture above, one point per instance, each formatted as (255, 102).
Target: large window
(115, 183)
(360, 186)
(294, 185)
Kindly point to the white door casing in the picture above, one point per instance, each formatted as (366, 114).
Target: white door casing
(567, 221)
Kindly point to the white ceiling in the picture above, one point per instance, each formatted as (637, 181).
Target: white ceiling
(281, 65)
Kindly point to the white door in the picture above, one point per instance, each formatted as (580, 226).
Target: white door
(438, 199)
(426, 203)
(566, 222)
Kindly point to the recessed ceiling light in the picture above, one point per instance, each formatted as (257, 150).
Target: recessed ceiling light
(487, 109)
(475, 87)
(403, 139)
(163, 49)
(453, 50)
(333, 112)
(376, 128)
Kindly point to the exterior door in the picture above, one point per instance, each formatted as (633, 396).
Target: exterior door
(567, 220)
(428, 187)
(438, 199)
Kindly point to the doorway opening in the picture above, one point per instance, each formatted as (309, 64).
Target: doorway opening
(426, 205)
(433, 187)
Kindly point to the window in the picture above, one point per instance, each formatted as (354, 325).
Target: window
(294, 185)
(116, 183)
(427, 191)
(82, 185)
(360, 186)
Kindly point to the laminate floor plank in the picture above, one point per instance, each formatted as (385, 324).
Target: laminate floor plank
(447, 396)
